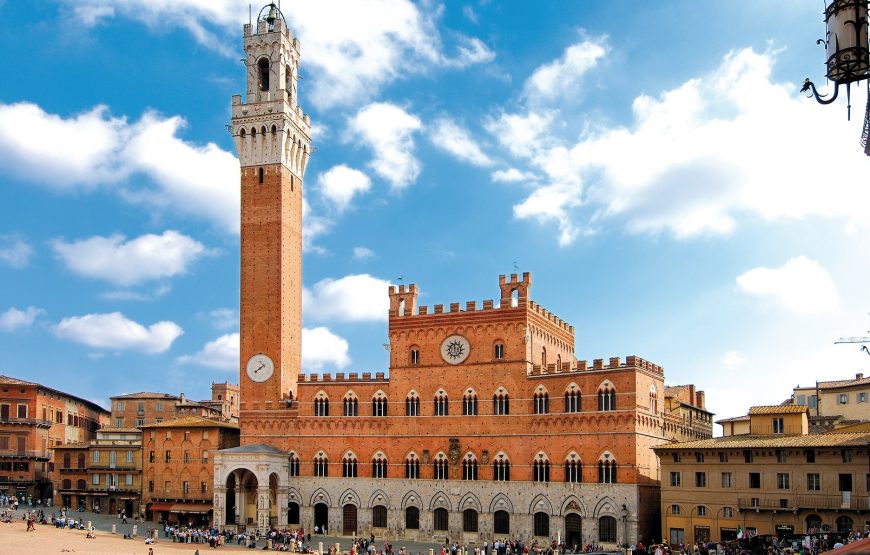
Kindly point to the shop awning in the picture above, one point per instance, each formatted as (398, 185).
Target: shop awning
(160, 506)
(198, 508)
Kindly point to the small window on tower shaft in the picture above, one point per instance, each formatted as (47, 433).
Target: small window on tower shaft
(263, 69)
(261, 175)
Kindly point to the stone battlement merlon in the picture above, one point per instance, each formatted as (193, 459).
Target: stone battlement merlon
(613, 363)
(339, 377)
(546, 314)
(403, 302)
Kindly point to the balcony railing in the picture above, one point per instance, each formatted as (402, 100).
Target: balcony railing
(24, 454)
(25, 421)
(841, 500)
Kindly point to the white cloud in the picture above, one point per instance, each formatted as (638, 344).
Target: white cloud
(563, 77)
(313, 226)
(63, 153)
(732, 360)
(696, 159)
(522, 134)
(321, 347)
(130, 295)
(469, 13)
(801, 285)
(363, 253)
(94, 149)
(340, 184)
(115, 332)
(15, 252)
(224, 318)
(388, 130)
(221, 354)
(351, 48)
(353, 298)
(14, 319)
(448, 136)
(201, 181)
(472, 51)
(511, 175)
(121, 262)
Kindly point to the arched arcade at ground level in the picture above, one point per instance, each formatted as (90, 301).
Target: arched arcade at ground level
(254, 490)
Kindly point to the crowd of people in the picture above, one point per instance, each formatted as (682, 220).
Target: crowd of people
(180, 533)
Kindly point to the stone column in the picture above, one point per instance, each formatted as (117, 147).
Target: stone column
(263, 509)
(241, 505)
(219, 503)
(282, 500)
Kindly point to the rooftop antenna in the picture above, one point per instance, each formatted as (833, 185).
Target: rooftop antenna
(400, 278)
(250, 15)
(516, 268)
(863, 341)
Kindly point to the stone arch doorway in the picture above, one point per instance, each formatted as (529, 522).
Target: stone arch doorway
(348, 520)
(321, 516)
(241, 498)
(573, 530)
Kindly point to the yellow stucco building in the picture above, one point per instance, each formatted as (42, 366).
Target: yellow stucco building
(768, 476)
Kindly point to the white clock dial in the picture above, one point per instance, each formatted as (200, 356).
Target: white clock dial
(260, 368)
(455, 349)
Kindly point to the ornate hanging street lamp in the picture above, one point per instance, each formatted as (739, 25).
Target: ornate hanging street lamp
(848, 53)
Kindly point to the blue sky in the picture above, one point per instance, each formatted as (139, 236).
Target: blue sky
(651, 163)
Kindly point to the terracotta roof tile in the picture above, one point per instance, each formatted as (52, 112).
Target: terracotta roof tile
(747, 441)
(778, 409)
(14, 381)
(744, 418)
(834, 384)
(192, 422)
(146, 395)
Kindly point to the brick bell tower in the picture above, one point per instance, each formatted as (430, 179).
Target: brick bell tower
(272, 139)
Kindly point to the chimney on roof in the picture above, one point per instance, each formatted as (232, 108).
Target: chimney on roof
(859, 376)
(182, 397)
(699, 399)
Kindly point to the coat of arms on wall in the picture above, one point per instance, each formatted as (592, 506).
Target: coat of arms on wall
(453, 451)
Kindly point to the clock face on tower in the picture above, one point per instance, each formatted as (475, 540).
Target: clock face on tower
(260, 368)
(455, 349)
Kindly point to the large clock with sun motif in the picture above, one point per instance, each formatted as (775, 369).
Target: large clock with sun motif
(455, 349)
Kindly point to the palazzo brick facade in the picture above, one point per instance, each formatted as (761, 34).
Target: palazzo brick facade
(485, 426)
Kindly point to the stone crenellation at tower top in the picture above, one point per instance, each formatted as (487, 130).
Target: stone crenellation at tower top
(403, 302)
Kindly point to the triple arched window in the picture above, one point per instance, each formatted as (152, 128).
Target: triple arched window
(607, 471)
(469, 403)
(321, 405)
(469, 467)
(501, 402)
(321, 465)
(412, 404)
(541, 469)
(351, 405)
(441, 404)
(541, 401)
(606, 397)
(573, 470)
(501, 468)
(572, 399)
(294, 464)
(439, 467)
(379, 404)
(412, 467)
(379, 466)
(349, 466)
